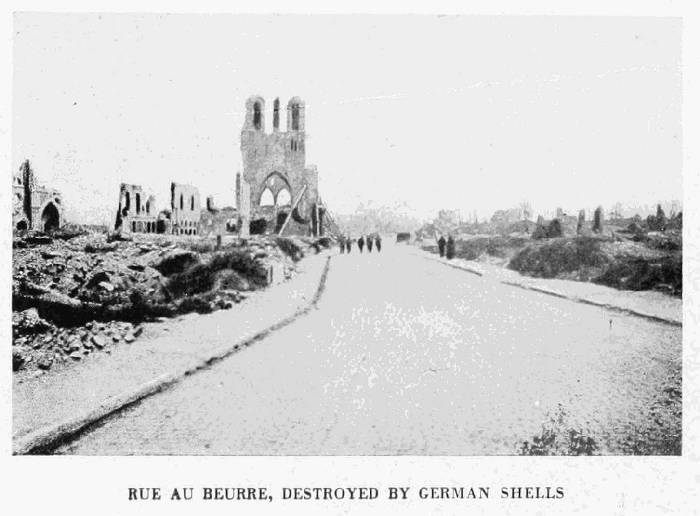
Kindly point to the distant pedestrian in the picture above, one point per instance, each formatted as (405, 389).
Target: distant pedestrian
(361, 242)
(441, 246)
(369, 243)
(378, 242)
(341, 241)
(348, 244)
(450, 248)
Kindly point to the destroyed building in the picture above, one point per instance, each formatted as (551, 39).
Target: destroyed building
(278, 191)
(185, 209)
(137, 211)
(218, 221)
(35, 207)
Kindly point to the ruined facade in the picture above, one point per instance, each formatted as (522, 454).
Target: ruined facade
(218, 221)
(185, 209)
(280, 190)
(137, 213)
(35, 207)
(275, 192)
(137, 210)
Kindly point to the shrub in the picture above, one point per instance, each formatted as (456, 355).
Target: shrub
(325, 242)
(228, 279)
(598, 219)
(676, 222)
(176, 262)
(554, 229)
(560, 256)
(201, 277)
(500, 247)
(557, 437)
(291, 248)
(634, 273)
(659, 221)
(552, 442)
(668, 241)
(539, 233)
(194, 304)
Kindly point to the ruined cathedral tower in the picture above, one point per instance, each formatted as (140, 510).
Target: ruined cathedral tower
(276, 185)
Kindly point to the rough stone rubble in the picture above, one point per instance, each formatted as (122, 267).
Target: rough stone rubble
(89, 293)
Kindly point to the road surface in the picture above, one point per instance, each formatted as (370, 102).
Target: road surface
(407, 356)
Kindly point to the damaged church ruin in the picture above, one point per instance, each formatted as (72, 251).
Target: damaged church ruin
(137, 213)
(35, 207)
(276, 193)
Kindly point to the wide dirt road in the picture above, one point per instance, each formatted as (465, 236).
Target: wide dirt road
(407, 356)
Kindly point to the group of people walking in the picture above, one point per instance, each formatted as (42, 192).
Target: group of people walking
(346, 242)
(446, 247)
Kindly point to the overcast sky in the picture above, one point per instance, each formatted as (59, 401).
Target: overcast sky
(474, 113)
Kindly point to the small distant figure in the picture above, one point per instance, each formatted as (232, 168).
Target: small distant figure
(378, 242)
(348, 244)
(611, 324)
(450, 248)
(341, 242)
(361, 243)
(441, 246)
(369, 243)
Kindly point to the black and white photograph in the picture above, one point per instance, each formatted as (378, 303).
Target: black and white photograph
(460, 256)
(347, 235)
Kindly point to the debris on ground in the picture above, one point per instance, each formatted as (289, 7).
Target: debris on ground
(75, 293)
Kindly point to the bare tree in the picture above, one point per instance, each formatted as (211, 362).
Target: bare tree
(616, 212)
(675, 208)
(526, 210)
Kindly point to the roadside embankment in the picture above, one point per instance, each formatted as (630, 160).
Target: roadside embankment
(53, 407)
(652, 305)
(620, 259)
(74, 295)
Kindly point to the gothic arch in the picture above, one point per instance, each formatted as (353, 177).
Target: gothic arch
(257, 115)
(284, 198)
(267, 198)
(275, 182)
(295, 114)
(50, 217)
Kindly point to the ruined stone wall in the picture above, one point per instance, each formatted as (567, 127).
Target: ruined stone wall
(136, 212)
(35, 207)
(569, 225)
(214, 221)
(185, 209)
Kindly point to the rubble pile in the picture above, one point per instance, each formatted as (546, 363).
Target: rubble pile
(73, 296)
(40, 344)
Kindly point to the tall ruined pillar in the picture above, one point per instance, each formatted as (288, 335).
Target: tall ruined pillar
(243, 206)
(28, 183)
